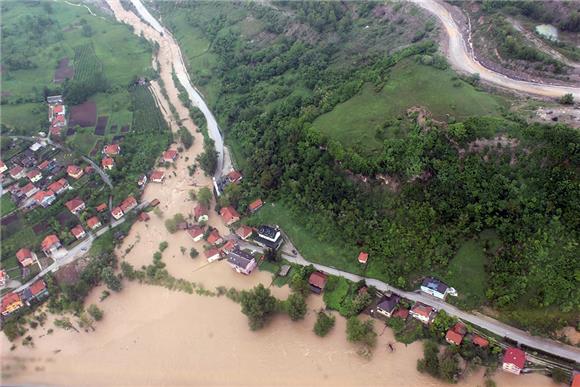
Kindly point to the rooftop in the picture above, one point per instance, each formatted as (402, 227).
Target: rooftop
(435, 284)
(515, 356)
(318, 279)
(240, 258)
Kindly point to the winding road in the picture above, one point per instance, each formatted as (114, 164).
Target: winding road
(461, 58)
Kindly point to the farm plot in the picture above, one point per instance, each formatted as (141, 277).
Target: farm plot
(83, 115)
(101, 125)
(146, 116)
(89, 68)
(125, 129)
(113, 129)
(63, 71)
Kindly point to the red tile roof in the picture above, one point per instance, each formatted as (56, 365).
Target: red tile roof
(77, 231)
(256, 204)
(170, 155)
(43, 165)
(229, 246)
(211, 252)
(73, 204)
(157, 175)
(234, 176)
(213, 237)
(23, 254)
(41, 195)
(16, 170)
(200, 210)
(56, 186)
(73, 170)
(107, 162)
(116, 212)
(112, 149)
(229, 214)
(453, 337)
(363, 257)
(460, 328)
(480, 341)
(37, 287)
(515, 356)
(244, 232)
(9, 299)
(402, 313)
(128, 204)
(576, 381)
(93, 222)
(27, 188)
(422, 310)
(318, 279)
(32, 174)
(195, 231)
(49, 241)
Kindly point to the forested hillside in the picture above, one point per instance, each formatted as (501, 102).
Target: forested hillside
(271, 71)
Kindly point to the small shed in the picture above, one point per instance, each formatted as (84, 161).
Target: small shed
(283, 272)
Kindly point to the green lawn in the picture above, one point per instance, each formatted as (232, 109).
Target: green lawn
(27, 118)
(336, 290)
(410, 84)
(6, 204)
(331, 252)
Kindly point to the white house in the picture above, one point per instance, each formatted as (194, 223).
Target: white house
(436, 288)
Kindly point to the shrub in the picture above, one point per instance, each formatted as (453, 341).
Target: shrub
(193, 253)
(95, 312)
(324, 323)
(567, 99)
(296, 306)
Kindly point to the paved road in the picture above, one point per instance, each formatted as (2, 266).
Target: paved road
(488, 323)
(462, 58)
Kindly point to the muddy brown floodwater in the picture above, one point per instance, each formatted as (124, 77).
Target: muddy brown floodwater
(153, 336)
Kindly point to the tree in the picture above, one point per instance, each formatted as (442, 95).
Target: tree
(271, 255)
(193, 253)
(449, 367)
(430, 361)
(95, 312)
(209, 158)
(111, 280)
(163, 245)
(258, 304)
(324, 323)
(361, 332)
(298, 284)
(204, 196)
(185, 137)
(567, 99)
(296, 306)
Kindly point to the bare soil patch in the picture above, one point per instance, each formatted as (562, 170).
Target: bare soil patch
(101, 125)
(83, 115)
(63, 71)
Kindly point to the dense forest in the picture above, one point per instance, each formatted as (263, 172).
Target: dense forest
(522, 182)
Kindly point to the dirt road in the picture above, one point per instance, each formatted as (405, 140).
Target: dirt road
(461, 58)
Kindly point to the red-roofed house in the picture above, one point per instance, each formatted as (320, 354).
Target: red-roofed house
(59, 186)
(50, 244)
(514, 360)
(212, 254)
(74, 171)
(55, 131)
(244, 232)
(75, 205)
(317, 281)
(196, 233)
(26, 257)
(44, 198)
(42, 166)
(3, 167)
(230, 246)
(107, 163)
(480, 341)
(93, 222)
(401, 313)
(200, 213)
(78, 231)
(17, 172)
(38, 289)
(128, 204)
(117, 213)
(363, 257)
(214, 238)
(112, 149)
(234, 176)
(3, 278)
(89, 169)
(102, 207)
(58, 122)
(170, 155)
(34, 175)
(143, 217)
(453, 337)
(422, 312)
(157, 176)
(28, 190)
(229, 215)
(11, 302)
(255, 205)
(575, 379)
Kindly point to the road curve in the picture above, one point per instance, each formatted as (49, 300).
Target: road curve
(462, 59)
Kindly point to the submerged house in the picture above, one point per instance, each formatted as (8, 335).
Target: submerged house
(241, 261)
(317, 281)
(388, 304)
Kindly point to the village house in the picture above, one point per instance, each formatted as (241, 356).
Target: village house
(242, 262)
(479, 341)
(255, 205)
(107, 163)
(229, 246)
(317, 281)
(50, 244)
(169, 156)
(514, 360)
(93, 223)
(76, 206)
(234, 177)
(17, 172)
(34, 175)
(387, 305)
(269, 237)
(436, 288)
(29, 190)
(142, 181)
(363, 257)
(128, 204)
(117, 213)
(59, 186)
(422, 312)
(157, 176)
(44, 198)
(35, 292)
(214, 238)
(401, 313)
(11, 302)
(196, 233)
(102, 207)
(78, 232)
(42, 166)
(26, 257)
(112, 149)
(244, 232)
(3, 278)
(200, 213)
(3, 167)
(54, 131)
(212, 254)
(75, 171)
(455, 335)
(89, 169)
(229, 215)
(58, 122)
(143, 217)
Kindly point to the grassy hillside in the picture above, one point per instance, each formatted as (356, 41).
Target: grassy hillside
(410, 84)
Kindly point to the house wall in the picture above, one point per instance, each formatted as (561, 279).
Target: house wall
(509, 367)
(433, 292)
(384, 312)
(420, 317)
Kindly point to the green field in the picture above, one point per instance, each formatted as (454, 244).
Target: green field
(329, 252)
(336, 290)
(6, 204)
(28, 118)
(354, 122)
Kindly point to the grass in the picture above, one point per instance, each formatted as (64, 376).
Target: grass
(27, 118)
(328, 251)
(336, 290)
(83, 140)
(410, 84)
(6, 204)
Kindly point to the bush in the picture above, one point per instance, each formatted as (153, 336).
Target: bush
(324, 323)
(259, 305)
(361, 332)
(193, 253)
(567, 99)
(163, 245)
(185, 137)
(95, 312)
(171, 224)
(296, 306)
